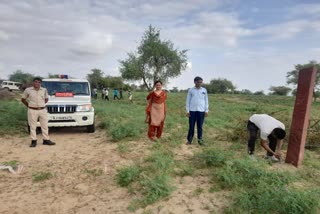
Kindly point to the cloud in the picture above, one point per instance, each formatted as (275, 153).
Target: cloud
(284, 30)
(311, 9)
(211, 30)
(3, 36)
(189, 65)
(92, 43)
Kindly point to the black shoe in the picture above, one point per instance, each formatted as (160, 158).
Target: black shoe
(48, 142)
(33, 143)
(188, 143)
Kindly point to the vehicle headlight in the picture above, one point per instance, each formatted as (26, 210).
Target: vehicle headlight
(86, 107)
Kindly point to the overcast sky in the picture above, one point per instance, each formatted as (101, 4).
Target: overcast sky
(253, 43)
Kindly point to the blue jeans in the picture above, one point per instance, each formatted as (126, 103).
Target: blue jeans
(195, 116)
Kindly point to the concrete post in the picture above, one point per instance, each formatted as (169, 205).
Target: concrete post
(300, 117)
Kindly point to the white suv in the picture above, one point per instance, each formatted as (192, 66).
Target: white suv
(69, 103)
(10, 85)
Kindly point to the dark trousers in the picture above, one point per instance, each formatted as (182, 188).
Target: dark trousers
(195, 117)
(253, 133)
(106, 97)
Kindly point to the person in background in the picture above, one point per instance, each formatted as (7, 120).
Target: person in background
(156, 110)
(95, 93)
(35, 99)
(120, 93)
(103, 94)
(197, 107)
(115, 94)
(130, 96)
(106, 95)
(272, 131)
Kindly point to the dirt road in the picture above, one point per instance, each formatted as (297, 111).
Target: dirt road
(83, 168)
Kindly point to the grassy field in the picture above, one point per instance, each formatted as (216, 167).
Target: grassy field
(253, 186)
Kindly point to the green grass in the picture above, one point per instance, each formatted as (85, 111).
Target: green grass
(13, 117)
(255, 186)
(151, 178)
(120, 119)
(41, 176)
(128, 175)
(13, 163)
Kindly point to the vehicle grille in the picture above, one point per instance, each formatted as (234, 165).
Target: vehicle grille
(58, 109)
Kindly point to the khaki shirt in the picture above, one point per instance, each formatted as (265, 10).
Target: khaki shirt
(35, 98)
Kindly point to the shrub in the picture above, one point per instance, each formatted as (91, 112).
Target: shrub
(155, 188)
(267, 199)
(13, 117)
(41, 176)
(211, 157)
(128, 175)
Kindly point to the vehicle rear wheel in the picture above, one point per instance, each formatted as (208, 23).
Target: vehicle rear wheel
(91, 128)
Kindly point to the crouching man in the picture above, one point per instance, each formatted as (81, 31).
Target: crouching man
(271, 130)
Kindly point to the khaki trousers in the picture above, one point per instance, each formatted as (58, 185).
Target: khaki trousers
(33, 116)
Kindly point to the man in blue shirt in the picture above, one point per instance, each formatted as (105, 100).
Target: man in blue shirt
(197, 107)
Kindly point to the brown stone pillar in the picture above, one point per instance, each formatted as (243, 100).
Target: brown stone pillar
(301, 114)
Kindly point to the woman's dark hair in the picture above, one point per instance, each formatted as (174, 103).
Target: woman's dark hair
(196, 79)
(158, 81)
(279, 133)
(37, 78)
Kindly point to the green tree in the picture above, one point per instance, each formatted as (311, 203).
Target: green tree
(23, 77)
(53, 75)
(259, 93)
(220, 86)
(174, 89)
(96, 78)
(245, 91)
(292, 76)
(113, 82)
(155, 59)
(279, 90)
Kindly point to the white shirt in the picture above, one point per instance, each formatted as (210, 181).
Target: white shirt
(266, 124)
(197, 100)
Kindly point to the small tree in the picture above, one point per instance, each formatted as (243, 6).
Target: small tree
(246, 92)
(174, 90)
(292, 76)
(279, 90)
(154, 60)
(220, 86)
(19, 76)
(258, 93)
(95, 78)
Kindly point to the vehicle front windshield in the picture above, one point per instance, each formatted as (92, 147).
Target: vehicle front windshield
(77, 88)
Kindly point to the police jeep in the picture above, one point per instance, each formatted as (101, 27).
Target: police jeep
(69, 103)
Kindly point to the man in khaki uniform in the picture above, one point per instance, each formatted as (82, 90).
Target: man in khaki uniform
(35, 98)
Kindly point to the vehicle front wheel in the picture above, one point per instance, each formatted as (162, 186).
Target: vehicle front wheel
(91, 128)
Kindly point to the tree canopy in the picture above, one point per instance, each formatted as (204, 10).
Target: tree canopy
(23, 77)
(292, 76)
(220, 86)
(155, 60)
(99, 80)
(95, 78)
(279, 90)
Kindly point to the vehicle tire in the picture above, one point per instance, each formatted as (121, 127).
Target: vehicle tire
(91, 128)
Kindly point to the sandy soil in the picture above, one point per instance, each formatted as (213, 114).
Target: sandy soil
(76, 188)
